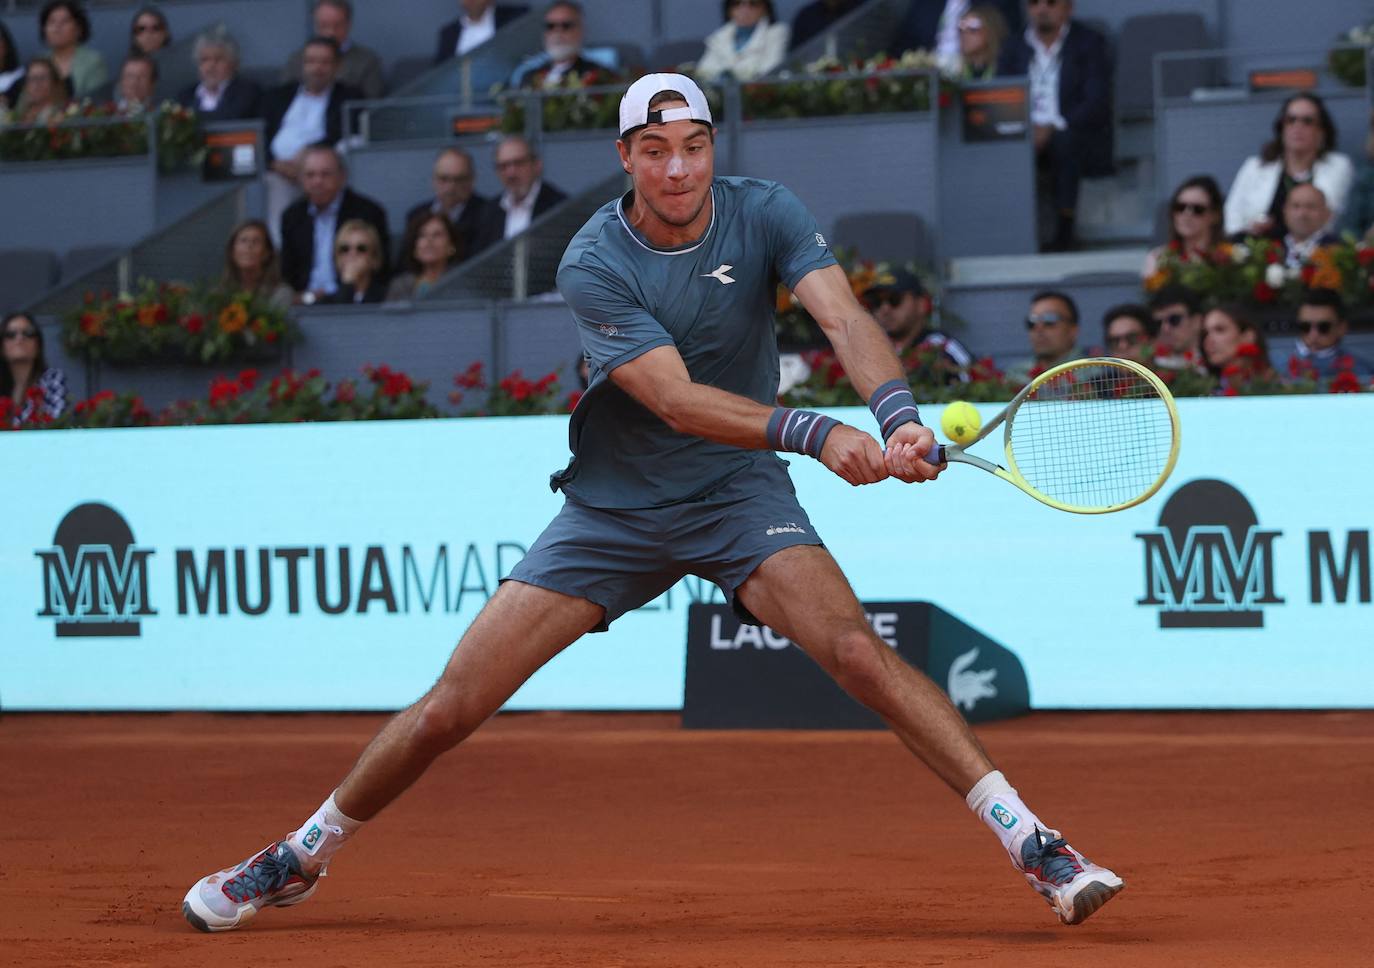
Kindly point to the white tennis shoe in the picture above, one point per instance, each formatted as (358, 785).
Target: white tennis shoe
(1073, 885)
(273, 877)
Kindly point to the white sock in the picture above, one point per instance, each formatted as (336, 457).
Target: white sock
(996, 802)
(323, 834)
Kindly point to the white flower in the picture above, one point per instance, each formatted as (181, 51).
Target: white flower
(1294, 272)
(1240, 254)
(1274, 276)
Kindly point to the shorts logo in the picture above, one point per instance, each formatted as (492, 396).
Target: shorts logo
(313, 836)
(1004, 817)
(820, 240)
(790, 527)
(608, 330)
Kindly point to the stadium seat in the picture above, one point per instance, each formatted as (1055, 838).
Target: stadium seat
(667, 57)
(406, 70)
(83, 258)
(1138, 41)
(884, 236)
(25, 274)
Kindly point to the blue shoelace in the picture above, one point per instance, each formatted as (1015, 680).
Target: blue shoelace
(1055, 867)
(267, 873)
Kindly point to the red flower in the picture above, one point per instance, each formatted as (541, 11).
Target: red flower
(1345, 382)
(1230, 392)
(248, 379)
(193, 323)
(1230, 370)
(471, 378)
(1308, 274)
(1272, 256)
(346, 392)
(1346, 362)
(1247, 349)
(222, 391)
(574, 398)
(1365, 256)
(1264, 293)
(945, 99)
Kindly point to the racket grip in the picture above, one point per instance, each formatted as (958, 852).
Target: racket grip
(936, 454)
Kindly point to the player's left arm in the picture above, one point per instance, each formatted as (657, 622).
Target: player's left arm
(868, 359)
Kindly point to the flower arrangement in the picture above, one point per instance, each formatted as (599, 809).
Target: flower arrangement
(887, 86)
(514, 395)
(1347, 62)
(165, 322)
(90, 130)
(577, 110)
(1254, 271)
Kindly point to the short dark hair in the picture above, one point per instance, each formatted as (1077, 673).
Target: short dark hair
(318, 41)
(1327, 298)
(77, 12)
(1063, 297)
(767, 9)
(1217, 201)
(412, 235)
(40, 362)
(1176, 294)
(343, 5)
(325, 148)
(10, 61)
(148, 10)
(140, 59)
(1131, 311)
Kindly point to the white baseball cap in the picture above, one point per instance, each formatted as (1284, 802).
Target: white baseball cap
(634, 106)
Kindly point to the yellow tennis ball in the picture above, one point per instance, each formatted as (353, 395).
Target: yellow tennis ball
(960, 422)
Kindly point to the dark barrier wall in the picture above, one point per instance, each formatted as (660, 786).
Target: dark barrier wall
(63, 204)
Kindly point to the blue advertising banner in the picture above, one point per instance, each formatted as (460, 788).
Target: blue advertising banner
(333, 566)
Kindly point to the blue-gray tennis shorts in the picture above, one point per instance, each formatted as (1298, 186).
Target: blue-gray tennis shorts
(621, 559)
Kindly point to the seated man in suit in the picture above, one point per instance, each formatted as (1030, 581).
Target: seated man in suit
(562, 54)
(137, 88)
(527, 195)
(477, 221)
(359, 66)
(477, 24)
(1308, 218)
(221, 94)
(308, 226)
(1071, 103)
(299, 115)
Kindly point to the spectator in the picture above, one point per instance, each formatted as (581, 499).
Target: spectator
(32, 387)
(817, 17)
(527, 195)
(477, 221)
(1070, 87)
(1358, 219)
(430, 248)
(1194, 223)
(221, 94)
(11, 71)
(1320, 349)
(65, 28)
(1234, 349)
(298, 116)
(1306, 214)
(1129, 331)
(309, 225)
(477, 24)
(562, 53)
(1177, 314)
(149, 31)
(1302, 150)
(44, 97)
(900, 304)
(358, 264)
(982, 34)
(935, 26)
(1052, 326)
(359, 66)
(251, 266)
(137, 88)
(749, 44)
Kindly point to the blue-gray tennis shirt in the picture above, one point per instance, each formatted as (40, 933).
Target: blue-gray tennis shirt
(713, 299)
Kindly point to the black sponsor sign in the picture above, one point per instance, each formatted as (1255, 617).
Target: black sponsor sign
(750, 677)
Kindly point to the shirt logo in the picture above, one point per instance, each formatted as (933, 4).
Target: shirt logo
(720, 274)
(608, 330)
(820, 240)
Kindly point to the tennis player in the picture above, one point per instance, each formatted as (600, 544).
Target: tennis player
(674, 472)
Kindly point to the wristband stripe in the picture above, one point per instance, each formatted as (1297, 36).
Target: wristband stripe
(799, 431)
(893, 405)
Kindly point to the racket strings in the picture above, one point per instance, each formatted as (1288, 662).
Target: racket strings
(1093, 437)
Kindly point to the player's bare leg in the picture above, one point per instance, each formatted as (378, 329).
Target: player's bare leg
(802, 593)
(519, 630)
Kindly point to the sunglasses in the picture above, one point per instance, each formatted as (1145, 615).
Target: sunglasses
(889, 299)
(149, 28)
(17, 334)
(1039, 3)
(1043, 319)
(1324, 327)
(362, 248)
(1173, 319)
(552, 25)
(1126, 339)
(1192, 208)
(746, 3)
(970, 25)
(1311, 120)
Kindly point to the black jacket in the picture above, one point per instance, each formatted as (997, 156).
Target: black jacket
(276, 101)
(480, 225)
(1085, 90)
(375, 293)
(240, 100)
(451, 32)
(298, 235)
(548, 197)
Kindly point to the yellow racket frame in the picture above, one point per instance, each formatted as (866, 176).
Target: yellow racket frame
(1012, 474)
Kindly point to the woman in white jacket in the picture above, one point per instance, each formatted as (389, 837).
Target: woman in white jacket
(1304, 136)
(749, 44)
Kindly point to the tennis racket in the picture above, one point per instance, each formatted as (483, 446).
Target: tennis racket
(1090, 436)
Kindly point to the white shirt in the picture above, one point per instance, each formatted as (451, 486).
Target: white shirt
(303, 123)
(947, 36)
(476, 32)
(208, 100)
(1044, 78)
(520, 214)
(322, 276)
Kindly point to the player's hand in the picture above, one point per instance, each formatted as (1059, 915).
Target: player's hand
(906, 450)
(854, 456)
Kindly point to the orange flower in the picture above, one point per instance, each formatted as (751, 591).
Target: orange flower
(147, 316)
(233, 318)
(1156, 281)
(1327, 277)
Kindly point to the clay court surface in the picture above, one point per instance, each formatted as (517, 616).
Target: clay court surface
(607, 840)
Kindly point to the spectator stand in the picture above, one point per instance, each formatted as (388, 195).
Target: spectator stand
(865, 31)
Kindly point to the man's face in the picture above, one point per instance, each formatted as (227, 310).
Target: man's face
(671, 166)
(215, 67)
(318, 66)
(562, 33)
(902, 315)
(332, 22)
(1178, 329)
(1127, 338)
(1319, 327)
(452, 180)
(1305, 211)
(517, 168)
(1048, 16)
(136, 82)
(1050, 328)
(321, 178)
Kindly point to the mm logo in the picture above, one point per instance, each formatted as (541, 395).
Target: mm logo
(95, 581)
(1209, 564)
